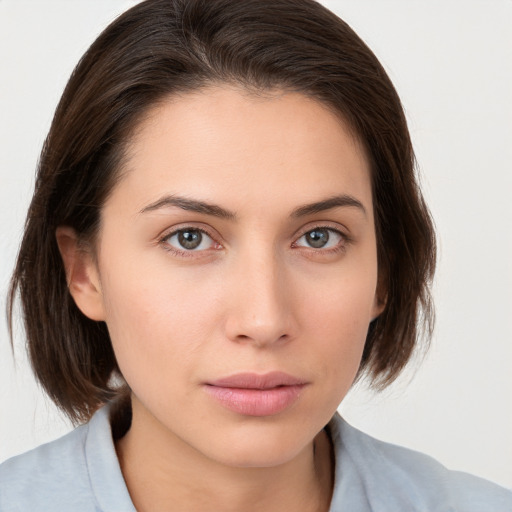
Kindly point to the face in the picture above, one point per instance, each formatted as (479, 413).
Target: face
(236, 270)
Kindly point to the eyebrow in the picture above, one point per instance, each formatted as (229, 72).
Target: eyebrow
(191, 205)
(214, 210)
(328, 204)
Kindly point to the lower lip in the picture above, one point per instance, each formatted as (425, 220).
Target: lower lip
(256, 402)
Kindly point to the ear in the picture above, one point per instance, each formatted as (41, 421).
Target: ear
(380, 300)
(379, 305)
(81, 274)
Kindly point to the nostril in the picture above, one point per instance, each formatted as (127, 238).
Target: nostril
(265, 317)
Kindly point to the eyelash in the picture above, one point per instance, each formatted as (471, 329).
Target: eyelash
(340, 247)
(184, 253)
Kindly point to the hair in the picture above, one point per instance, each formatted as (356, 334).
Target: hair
(160, 48)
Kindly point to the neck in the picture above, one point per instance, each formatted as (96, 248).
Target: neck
(164, 473)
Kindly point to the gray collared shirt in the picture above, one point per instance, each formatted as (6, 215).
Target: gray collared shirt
(80, 473)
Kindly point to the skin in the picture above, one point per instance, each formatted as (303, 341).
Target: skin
(255, 296)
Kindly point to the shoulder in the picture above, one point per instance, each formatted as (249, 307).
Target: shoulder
(79, 472)
(53, 471)
(396, 478)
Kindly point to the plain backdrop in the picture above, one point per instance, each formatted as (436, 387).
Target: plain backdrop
(451, 63)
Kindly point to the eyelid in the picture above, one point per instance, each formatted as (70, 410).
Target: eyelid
(346, 238)
(168, 233)
(183, 226)
(333, 226)
(215, 237)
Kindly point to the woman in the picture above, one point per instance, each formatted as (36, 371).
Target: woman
(226, 232)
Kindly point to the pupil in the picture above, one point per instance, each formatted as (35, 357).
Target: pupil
(190, 239)
(317, 238)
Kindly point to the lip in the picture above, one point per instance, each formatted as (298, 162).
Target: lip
(252, 394)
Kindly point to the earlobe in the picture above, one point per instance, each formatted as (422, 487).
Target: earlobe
(81, 274)
(378, 307)
(379, 304)
(380, 299)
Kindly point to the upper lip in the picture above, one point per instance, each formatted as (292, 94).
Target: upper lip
(257, 381)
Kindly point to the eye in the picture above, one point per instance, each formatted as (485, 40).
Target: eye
(320, 238)
(189, 239)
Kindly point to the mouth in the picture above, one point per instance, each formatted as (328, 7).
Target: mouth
(253, 394)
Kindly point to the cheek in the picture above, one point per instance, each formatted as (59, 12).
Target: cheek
(156, 324)
(166, 326)
(337, 316)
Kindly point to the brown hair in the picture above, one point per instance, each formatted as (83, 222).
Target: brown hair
(163, 47)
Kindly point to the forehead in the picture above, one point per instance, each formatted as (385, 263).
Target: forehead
(230, 146)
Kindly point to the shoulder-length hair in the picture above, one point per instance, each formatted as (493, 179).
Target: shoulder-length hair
(163, 47)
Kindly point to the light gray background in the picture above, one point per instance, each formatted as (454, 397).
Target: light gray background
(451, 63)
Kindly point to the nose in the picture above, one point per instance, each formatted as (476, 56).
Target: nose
(261, 312)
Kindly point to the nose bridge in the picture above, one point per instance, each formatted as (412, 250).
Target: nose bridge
(261, 311)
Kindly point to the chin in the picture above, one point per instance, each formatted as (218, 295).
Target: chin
(259, 446)
(257, 457)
